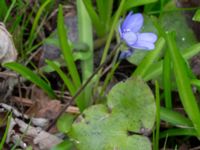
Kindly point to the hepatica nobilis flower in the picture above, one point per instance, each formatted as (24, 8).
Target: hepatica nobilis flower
(129, 31)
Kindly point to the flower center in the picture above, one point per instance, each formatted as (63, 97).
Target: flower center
(126, 30)
(129, 37)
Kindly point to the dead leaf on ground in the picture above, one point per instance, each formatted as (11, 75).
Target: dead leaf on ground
(43, 107)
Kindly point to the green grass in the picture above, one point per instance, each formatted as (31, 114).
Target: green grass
(111, 33)
(166, 79)
(9, 11)
(86, 37)
(64, 77)
(178, 132)
(174, 118)
(99, 22)
(3, 140)
(67, 50)
(183, 82)
(149, 59)
(35, 26)
(156, 69)
(30, 75)
(157, 129)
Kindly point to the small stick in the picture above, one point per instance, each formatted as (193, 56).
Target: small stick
(83, 87)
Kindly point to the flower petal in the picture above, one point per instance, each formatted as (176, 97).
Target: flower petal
(126, 20)
(129, 37)
(143, 45)
(133, 23)
(148, 37)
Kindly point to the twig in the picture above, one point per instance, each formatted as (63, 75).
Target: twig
(83, 87)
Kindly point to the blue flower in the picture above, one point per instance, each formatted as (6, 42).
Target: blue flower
(129, 31)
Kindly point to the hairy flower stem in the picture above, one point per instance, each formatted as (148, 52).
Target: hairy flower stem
(80, 90)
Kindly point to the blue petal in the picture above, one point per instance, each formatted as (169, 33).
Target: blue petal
(143, 45)
(126, 20)
(133, 23)
(148, 37)
(145, 41)
(129, 37)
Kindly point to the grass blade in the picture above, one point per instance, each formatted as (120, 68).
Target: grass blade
(35, 23)
(196, 16)
(86, 37)
(166, 79)
(9, 10)
(64, 77)
(113, 27)
(183, 82)
(130, 3)
(105, 12)
(175, 118)
(95, 18)
(149, 59)
(3, 9)
(6, 131)
(66, 49)
(156, 142)
(178, 132)
(28, 74)
(157, 68)
(195, 82)
(109, 39)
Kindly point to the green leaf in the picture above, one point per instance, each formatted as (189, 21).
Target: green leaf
(66, 49)
(114, 126)
(8, 13)
(132, 105)
(95, 18)
(174, 118)
(3, 9)
(166, 79)
(149, 59)
(3, 140)
(183, 82)
(196, 16)
(156, 132)
(130, 3)
(101, 131)
(112, 30)
(49, 69)
(186, 41)
(178, 132)
(64, 123)
(31, 76)
(63, 76)
(156, 69)
(86, 37)
(175, 21)
(35, 23)
(157, 6)
(105, 12)
(65, 145)
(80, 49)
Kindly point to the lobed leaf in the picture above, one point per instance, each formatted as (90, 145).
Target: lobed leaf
(114, 126)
